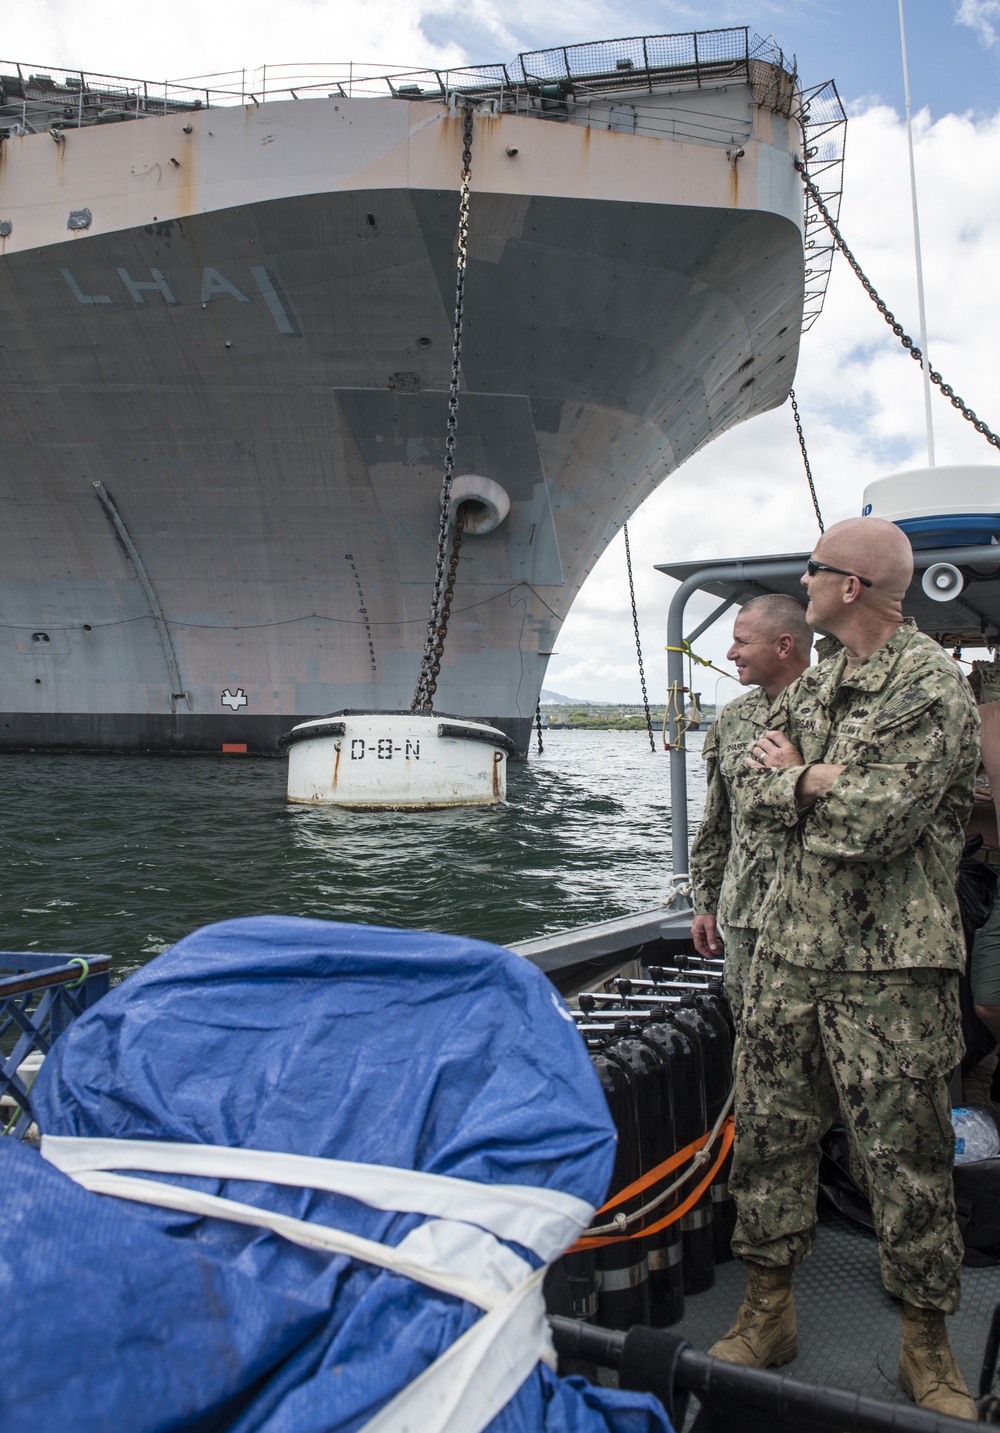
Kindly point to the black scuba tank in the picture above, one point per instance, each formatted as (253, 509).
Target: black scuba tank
(570, 1286)
(651, 1074)
(680, 1059)
(622, 1269)
(709, 1028)
(717, 990)
(682, 1048)
(714, 1007)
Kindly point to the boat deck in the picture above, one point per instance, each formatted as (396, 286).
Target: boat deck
(848, 1325)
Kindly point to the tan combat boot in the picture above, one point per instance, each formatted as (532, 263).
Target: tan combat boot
(763, 1335)
(927, 1368)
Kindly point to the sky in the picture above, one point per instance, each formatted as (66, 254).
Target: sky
(860, 395)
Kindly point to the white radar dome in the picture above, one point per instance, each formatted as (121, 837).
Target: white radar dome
(955, 506)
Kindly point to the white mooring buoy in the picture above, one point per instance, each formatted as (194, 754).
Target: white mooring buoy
(391, 761)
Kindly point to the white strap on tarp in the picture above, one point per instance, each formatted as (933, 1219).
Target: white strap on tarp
(465, 1389)
(460, 1253)
(546, 1221)
(419, 1261)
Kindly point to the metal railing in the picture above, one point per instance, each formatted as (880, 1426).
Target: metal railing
(39, 997)
(638, 63)
(824, 130)
(33, 100)
(753, 1400)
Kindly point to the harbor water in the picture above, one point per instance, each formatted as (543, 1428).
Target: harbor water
(123, 855)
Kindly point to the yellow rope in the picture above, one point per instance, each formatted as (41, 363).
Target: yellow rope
(685, 648)
(675, 708)
(675, 701)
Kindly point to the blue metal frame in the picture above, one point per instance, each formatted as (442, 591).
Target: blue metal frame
(40, 997)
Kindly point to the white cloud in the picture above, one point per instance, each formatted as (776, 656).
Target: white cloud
(982, 16)
(195, 38)
(203, 37)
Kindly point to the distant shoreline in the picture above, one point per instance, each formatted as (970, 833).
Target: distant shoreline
(584, 716)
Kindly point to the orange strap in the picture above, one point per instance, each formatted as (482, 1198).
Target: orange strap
(654, 1175)
(725, 1145)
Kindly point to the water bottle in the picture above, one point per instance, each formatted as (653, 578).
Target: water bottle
(976, 1135)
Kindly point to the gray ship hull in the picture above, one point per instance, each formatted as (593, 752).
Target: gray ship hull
(222, 429)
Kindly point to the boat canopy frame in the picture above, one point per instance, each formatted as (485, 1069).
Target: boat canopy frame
(970, 619)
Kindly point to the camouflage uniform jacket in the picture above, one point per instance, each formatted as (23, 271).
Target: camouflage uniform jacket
(732, 862)
(865, 878)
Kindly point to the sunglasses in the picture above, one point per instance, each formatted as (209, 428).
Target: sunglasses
(813, 567)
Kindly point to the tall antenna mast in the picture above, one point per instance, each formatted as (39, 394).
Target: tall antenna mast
(925, 360)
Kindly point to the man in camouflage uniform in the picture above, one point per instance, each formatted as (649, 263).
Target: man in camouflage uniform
(732, 862)
(865, 782)
(985, 960)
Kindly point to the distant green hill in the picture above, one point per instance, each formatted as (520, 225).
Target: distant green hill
(606, 716)
(561, 701)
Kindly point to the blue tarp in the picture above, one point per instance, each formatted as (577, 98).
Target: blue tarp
(389, 1047)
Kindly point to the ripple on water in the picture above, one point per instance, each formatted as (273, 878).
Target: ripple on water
(124, 855)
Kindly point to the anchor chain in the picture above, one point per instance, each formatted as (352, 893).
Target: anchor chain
(638, 644)
(441, 631)
(538, 725)
(889, 316)
(805, 458)
(445, 569)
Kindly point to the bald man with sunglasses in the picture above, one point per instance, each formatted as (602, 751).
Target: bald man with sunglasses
(864, 783)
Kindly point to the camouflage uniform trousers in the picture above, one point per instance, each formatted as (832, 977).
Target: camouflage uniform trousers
(739, 943)
(880, 1048)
